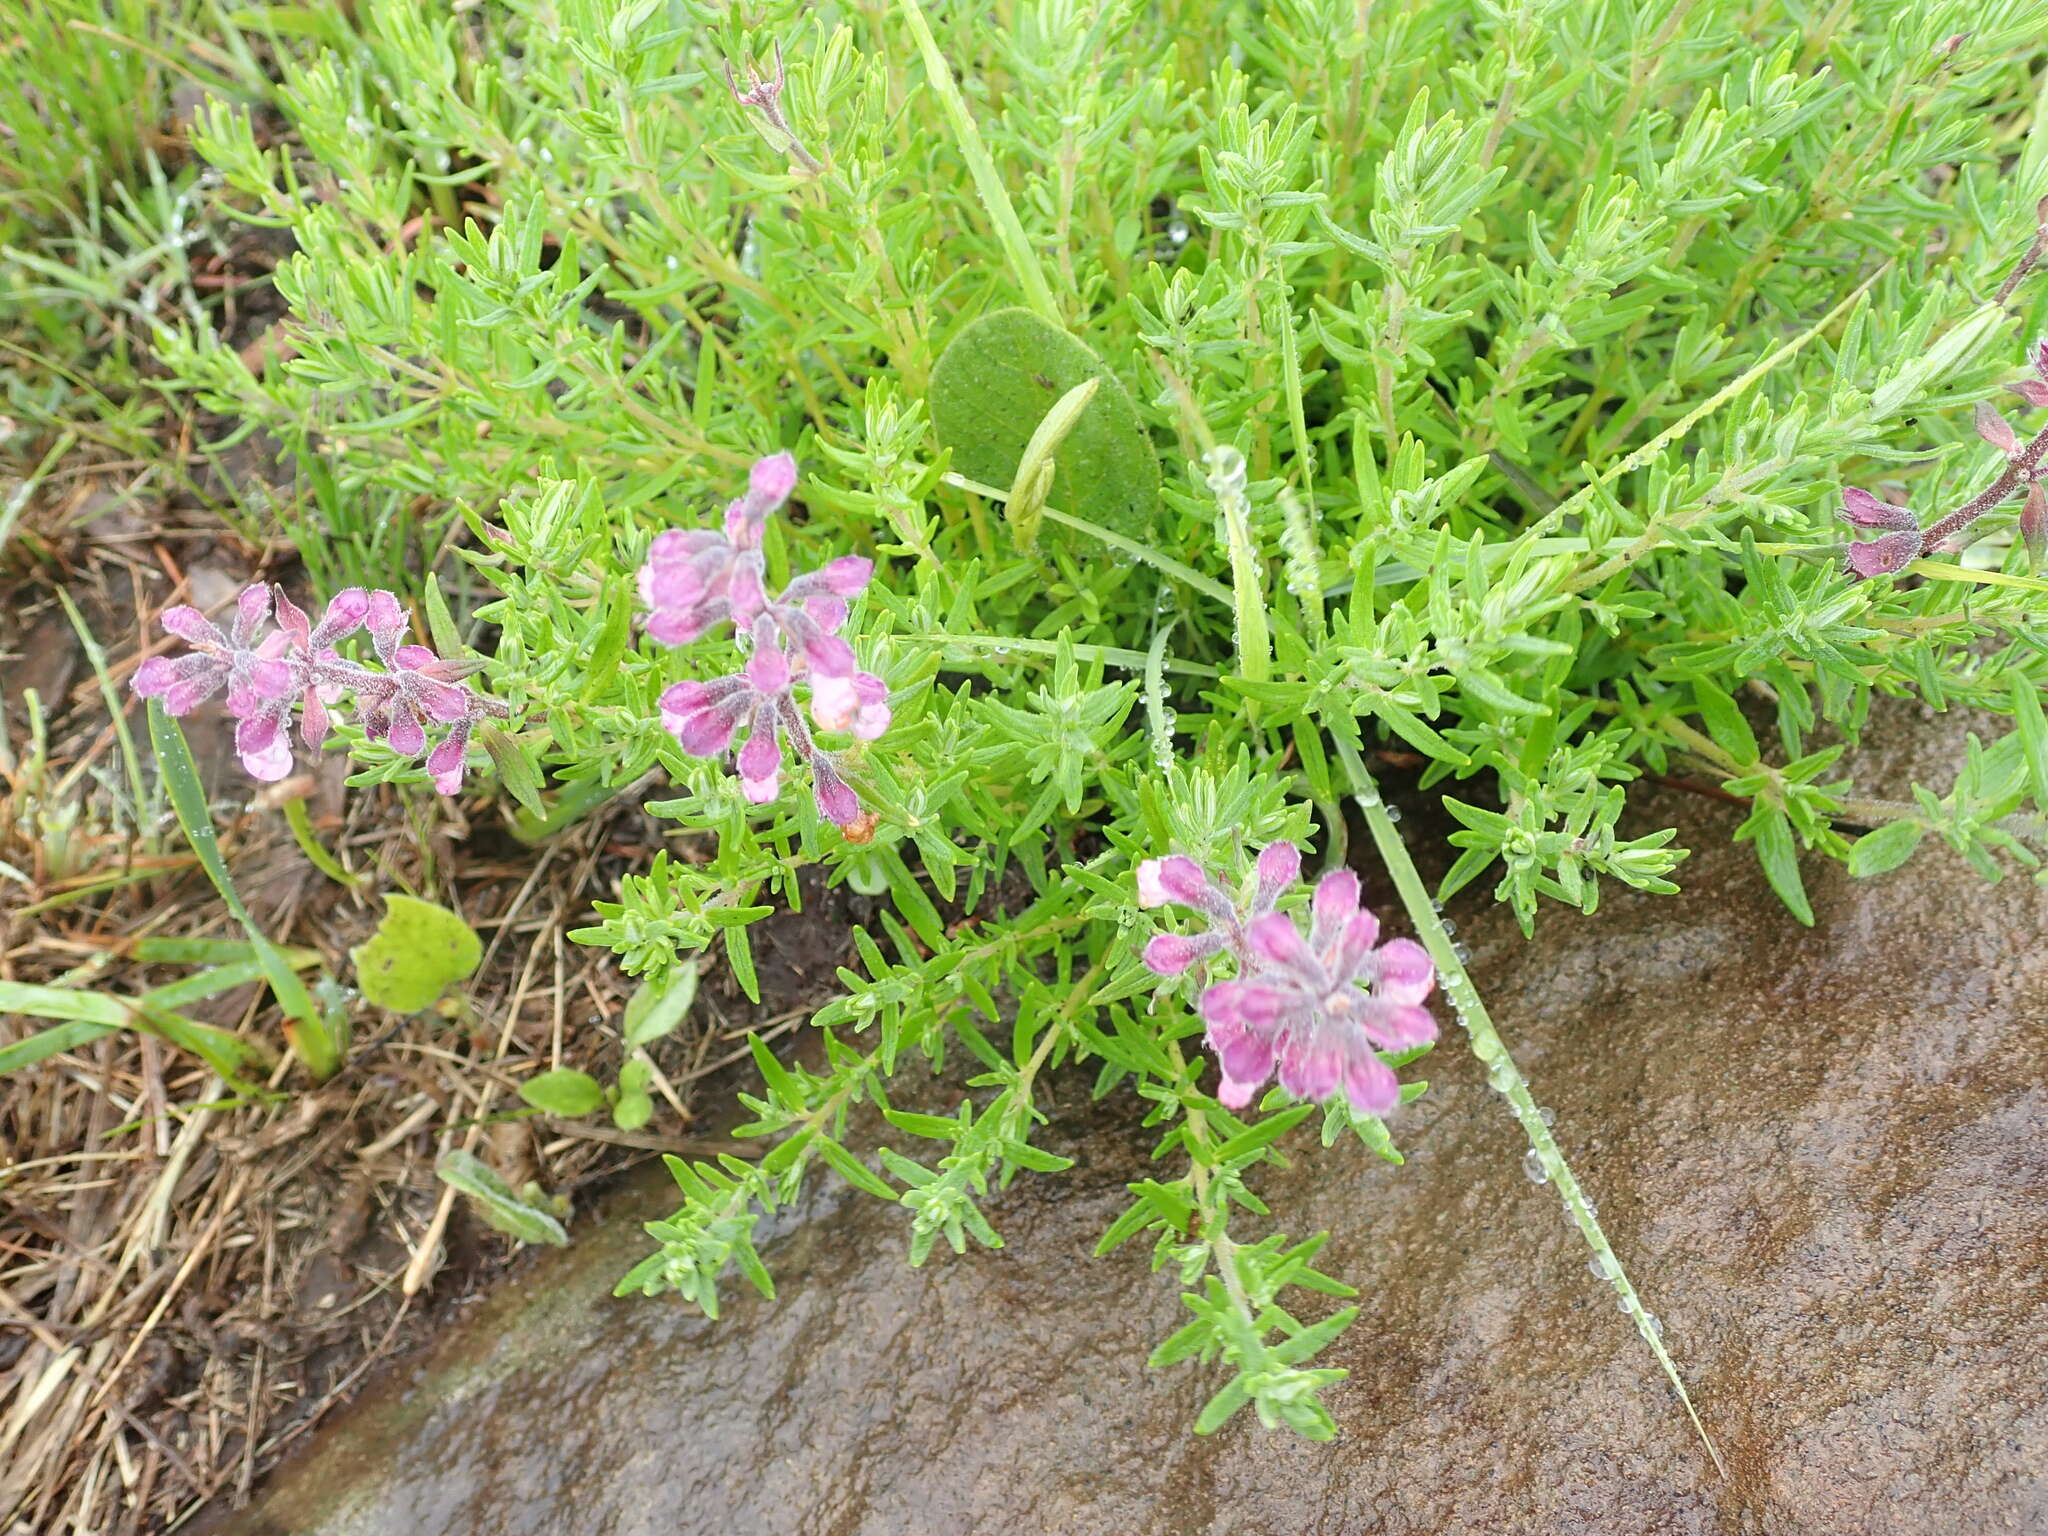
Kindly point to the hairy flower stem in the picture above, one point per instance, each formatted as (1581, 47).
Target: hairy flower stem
(1501, 1072)
(2019, 470)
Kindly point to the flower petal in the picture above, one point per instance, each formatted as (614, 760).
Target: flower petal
(251, 609)
(1335, 904)
(1370, 1086)
(1886, 556)
(1245, 1055)
(345, 613)
(1279, 867)
(269, 761)
(1275, 940)
(770, 481)
(192, 626)
(1406, 974)
(837, 802)
(768, 671)
(1244, 1004)
(1169, 954)
(1176, 878)
(1397, 1026)
(1864, 510)
(408, 736)
(447, 761)
(1309, 1070)
(848, 575)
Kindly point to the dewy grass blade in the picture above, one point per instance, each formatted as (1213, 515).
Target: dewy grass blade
(311, 1040)
(1502, 1074)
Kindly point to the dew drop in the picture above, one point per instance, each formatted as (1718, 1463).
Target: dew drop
(1595, 1268)
(1532, 1165)
(1548, 1116)
(1393, 813)
(1177, 231)
(1656, 1323)
(1501, 1078)
(1447, 925)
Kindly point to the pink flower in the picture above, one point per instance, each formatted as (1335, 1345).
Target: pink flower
(1893, 550)
(705, 716)
(696, 579)
(235, 659)
(1316, 1010)
(298, 666)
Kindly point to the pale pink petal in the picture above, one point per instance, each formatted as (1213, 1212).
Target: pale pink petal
(829, 656)
(1334, 905)
(848, 575)
(1371, 1087)
(445, 764)
(768, 671)
(1275, 939)
(771, 480)
(833, 702)
(1169, 954)
(1311, 1073)
(1397, 1026)
(1245, 1055)
(251, 609)
(1279, 867)
(1406, 973)
(270, 763)
(192, 626)
(1175, 878)
(408, 738)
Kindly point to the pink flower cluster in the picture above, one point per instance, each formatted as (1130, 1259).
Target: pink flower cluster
(296, 664)
(1298, 1005)
(699, 578)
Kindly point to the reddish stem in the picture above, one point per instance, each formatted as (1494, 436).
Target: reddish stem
(2020, 469)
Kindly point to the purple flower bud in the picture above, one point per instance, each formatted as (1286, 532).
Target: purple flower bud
(836, 802)
(2034, 526)
(1177, 879)
(1866, 511)
(1279, 867)
(1886, 556)
(1996, 430)
(2033, 391)
(192, 626)
(771, 480)
(1169, 954)
(848, 576)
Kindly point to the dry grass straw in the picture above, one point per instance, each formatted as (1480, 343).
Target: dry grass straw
(188, 1283)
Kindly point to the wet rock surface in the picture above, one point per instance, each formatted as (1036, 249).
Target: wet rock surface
(1821, 1154)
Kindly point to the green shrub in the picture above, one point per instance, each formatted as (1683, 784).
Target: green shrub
(1505, 365)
